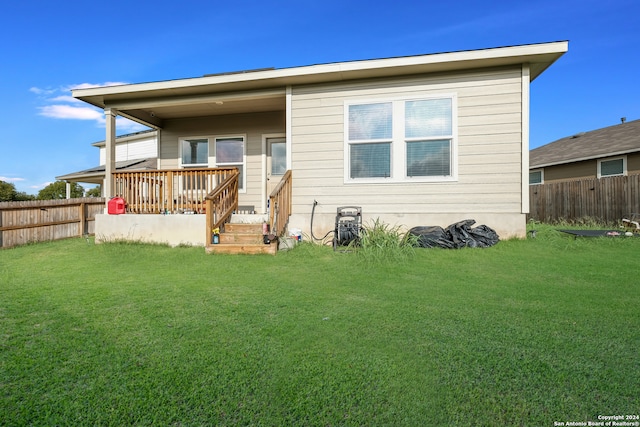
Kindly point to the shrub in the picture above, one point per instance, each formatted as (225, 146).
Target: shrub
(381, 242)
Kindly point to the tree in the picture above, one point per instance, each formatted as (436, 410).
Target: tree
(8, 193)
(95, 191)
(58, 190)
(22, 196)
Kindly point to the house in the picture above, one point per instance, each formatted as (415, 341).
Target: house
(590, 175)
(134, 151)
(416, 140)
(606, 152)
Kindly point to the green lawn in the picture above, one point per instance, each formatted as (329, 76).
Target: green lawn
(528, 332)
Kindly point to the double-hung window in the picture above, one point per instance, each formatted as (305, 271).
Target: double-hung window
(428, 131)
(370, 139)
(400, 140)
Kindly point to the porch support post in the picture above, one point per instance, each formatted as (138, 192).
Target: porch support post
(110, 152)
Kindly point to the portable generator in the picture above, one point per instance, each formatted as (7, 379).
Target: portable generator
(348, 226)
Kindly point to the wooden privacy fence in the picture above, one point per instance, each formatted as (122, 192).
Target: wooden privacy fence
(605, 199)
(44, 220)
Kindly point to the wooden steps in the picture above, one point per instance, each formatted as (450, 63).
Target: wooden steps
(242, 239)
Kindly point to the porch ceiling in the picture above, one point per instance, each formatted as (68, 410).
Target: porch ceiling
(156, 110)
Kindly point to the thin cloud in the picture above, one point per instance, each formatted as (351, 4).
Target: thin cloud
(66, 98)
(7, 179)
(40, 91)
(59, 111)
(41, 186)
(59, 104)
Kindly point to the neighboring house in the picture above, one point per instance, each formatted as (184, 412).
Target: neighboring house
(610, 151)
(134, 151)
(417, 140)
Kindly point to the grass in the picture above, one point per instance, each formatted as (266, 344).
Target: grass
(527, 332)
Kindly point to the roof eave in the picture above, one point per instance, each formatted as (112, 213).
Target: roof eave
(538, 56)
(583, 159)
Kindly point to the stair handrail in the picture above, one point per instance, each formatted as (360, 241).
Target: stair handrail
(222, 201)
(280, 205)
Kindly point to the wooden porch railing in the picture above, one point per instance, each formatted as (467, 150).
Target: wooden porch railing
(168, 190)
(280, 203)
(222, 202)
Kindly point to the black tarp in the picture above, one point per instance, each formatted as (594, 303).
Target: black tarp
(456, 236)
(597, 233)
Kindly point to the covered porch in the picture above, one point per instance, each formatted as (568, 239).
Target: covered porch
(223, 149)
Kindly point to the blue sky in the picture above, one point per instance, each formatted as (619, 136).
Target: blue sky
(48, 48)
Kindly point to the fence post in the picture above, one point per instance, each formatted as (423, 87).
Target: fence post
(1, 232)
(83, 219)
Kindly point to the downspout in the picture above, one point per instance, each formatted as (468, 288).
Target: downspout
(110, 153)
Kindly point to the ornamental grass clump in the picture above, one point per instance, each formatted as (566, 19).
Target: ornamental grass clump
(381, 242)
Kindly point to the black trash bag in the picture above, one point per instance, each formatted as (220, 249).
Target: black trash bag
(431, 237)
(455, 236)
(485, 236)
(462, 235)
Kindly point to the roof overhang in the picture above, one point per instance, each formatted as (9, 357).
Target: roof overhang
(96, 174)
(264, 90)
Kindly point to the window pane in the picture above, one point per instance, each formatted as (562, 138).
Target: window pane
(370, 160)
(428, 118)
(229, 150)
(429, 158)
(278, 158)
(370, 121)
(535, 177)
(612, 167)
(195, 151)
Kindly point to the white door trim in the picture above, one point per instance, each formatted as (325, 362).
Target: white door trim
(263, 156)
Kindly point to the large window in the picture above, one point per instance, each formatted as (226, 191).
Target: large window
(195, 152)
(400, 140)
(230, 153)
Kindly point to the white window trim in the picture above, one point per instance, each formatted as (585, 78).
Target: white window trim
(608, 159)
(541, 176)
(398, 142)
(244, 157)
(212, 155)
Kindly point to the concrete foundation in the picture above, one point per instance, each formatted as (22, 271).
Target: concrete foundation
(506, 225)
(172, 230)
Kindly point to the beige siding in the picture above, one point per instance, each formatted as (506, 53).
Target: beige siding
(489, 118)
(251, 125)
